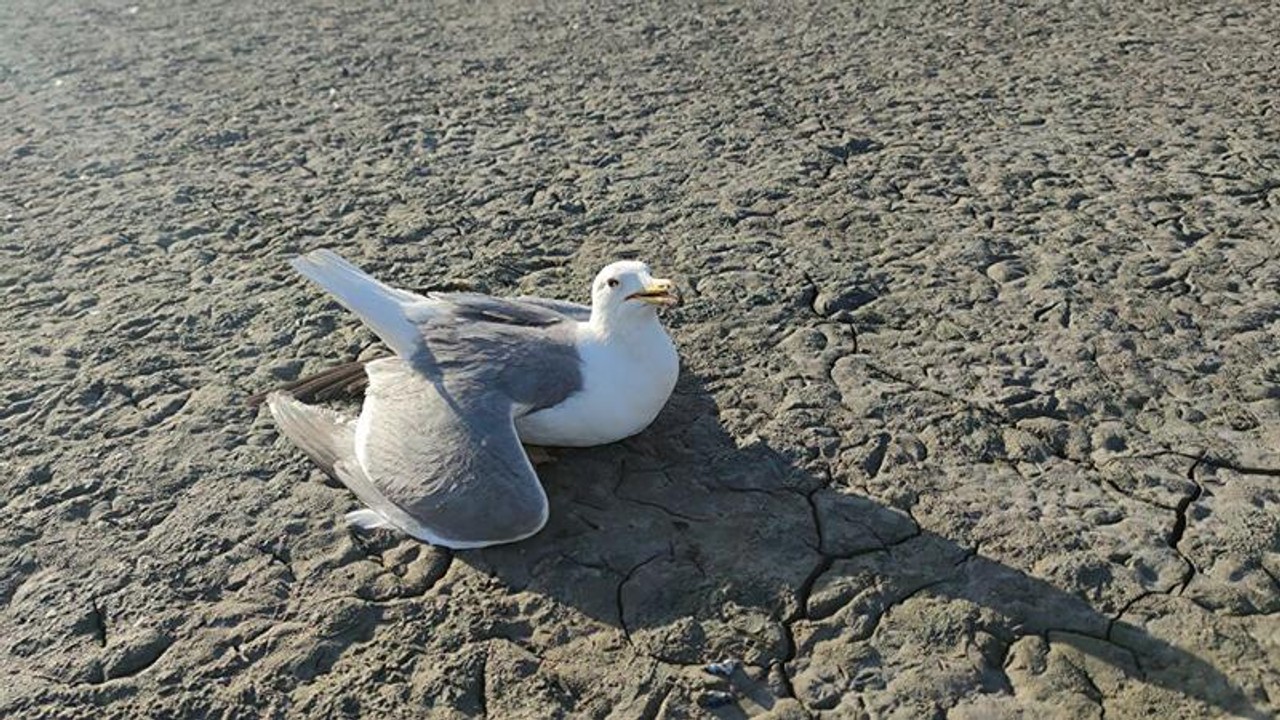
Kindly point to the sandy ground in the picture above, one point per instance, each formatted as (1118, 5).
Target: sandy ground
(980, 413)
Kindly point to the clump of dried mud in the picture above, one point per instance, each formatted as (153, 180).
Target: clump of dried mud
(981, 405)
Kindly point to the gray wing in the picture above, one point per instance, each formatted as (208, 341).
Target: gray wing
(442, 463)
(324, 435)
(573, 311)
(508, 311)
(435, 451)
(333, 273)
(524, 350)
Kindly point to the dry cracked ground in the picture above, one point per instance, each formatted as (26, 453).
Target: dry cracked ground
(980, 410)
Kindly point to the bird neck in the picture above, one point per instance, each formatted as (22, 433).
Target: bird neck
(608, 326)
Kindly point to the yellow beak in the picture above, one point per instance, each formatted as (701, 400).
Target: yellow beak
(658, 292)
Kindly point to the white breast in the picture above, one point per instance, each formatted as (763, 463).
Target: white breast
(626, 382)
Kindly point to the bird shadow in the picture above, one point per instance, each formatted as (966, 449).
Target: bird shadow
(699, 549)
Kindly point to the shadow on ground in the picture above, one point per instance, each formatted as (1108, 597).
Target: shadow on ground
(698, 550)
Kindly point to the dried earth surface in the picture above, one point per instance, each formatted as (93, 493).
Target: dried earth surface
(980, 412)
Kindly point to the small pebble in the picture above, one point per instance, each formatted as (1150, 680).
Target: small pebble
(723, 669)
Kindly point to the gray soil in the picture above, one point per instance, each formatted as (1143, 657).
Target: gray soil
(980, 412)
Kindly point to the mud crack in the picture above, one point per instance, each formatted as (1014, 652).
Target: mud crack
(1180, 523)
(622, 584)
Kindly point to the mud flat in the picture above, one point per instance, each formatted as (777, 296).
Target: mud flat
(980, 415)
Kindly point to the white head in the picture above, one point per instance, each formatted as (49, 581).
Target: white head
(625, 290)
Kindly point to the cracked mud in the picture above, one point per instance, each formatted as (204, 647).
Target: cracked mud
(980, 412)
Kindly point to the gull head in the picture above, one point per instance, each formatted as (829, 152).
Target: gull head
(626, 290)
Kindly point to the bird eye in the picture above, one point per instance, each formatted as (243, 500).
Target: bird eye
(613, 282)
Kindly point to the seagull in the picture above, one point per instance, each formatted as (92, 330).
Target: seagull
(436, 451)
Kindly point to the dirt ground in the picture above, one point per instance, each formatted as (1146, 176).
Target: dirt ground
(980, 406)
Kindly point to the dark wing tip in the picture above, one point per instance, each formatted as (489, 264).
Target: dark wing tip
(347, 378)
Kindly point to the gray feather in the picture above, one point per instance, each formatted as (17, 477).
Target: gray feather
(325, 436)
(519, 349)
(445, 460)
(383, 308)
(573, 311)
(486, 308)
(534, 367)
